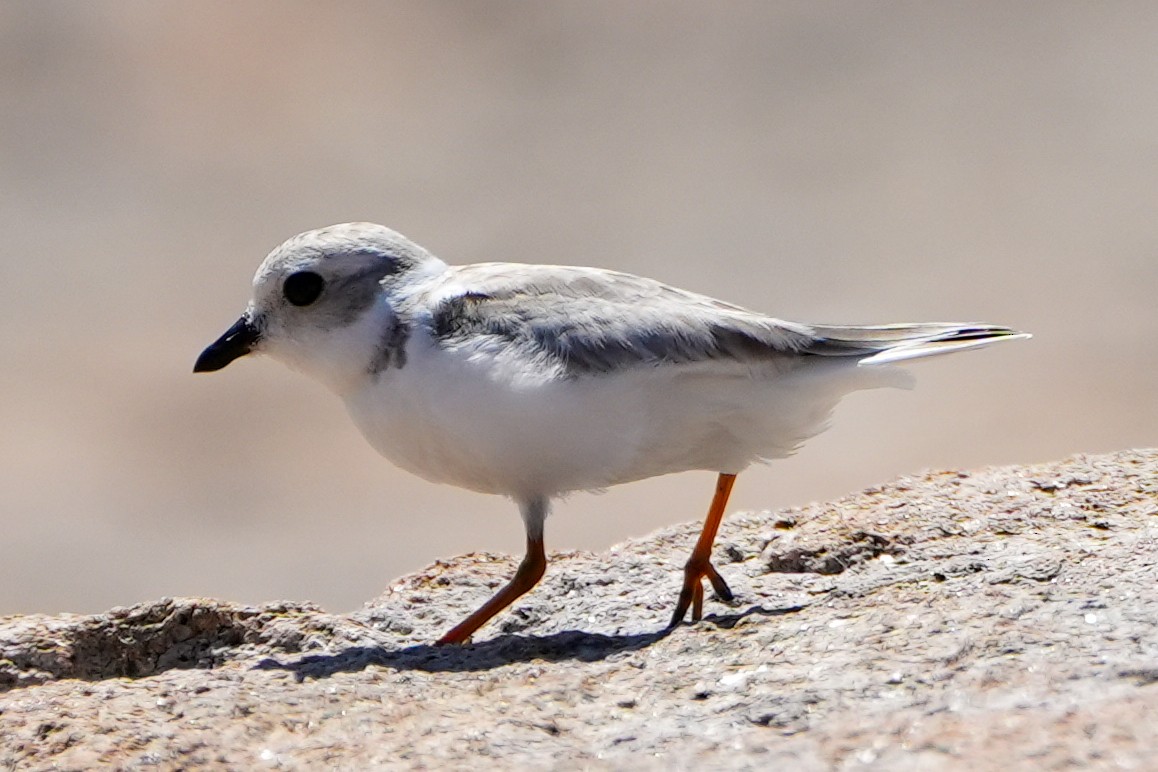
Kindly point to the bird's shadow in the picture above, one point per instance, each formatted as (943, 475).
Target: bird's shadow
(495, 652)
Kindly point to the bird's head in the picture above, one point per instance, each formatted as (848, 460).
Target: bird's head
(321, 301)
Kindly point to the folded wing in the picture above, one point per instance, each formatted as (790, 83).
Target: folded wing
(589, 321)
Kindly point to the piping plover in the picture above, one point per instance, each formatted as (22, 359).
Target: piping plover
(532, 381)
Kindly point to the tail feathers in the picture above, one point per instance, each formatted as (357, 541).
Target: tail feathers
(885, 344)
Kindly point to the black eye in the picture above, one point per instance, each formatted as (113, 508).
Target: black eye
(303, 287)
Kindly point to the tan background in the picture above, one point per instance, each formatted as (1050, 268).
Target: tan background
(847, 162)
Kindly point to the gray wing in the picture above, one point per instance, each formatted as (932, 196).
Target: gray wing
(589, 320)
(594, 321)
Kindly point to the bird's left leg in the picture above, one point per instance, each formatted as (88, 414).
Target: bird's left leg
(699, 565)
(530, 571)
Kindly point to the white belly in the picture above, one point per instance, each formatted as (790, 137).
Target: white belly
(480, 425)
(486, 424)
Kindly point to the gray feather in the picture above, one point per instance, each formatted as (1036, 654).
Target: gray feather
(881, 344)
(391, 351)
(593, 321)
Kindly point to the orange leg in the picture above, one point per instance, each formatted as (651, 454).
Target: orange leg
(699, 565)
(530, 571)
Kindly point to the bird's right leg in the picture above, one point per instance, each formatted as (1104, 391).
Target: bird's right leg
(699, 565)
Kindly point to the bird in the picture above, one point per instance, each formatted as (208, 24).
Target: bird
(535, 381)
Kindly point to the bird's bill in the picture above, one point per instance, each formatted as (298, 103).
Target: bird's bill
(237, 341)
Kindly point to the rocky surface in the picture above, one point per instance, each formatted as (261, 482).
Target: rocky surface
(1003, 618)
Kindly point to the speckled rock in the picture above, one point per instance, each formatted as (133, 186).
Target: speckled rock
(997, 619)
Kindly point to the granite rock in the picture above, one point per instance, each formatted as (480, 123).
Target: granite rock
(994, 619)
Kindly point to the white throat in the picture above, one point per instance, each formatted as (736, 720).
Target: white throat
(340, 358)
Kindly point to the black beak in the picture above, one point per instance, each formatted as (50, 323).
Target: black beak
(237, 341)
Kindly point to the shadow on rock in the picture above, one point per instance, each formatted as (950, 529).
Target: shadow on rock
(728, 621)
(504, 650)
(487, 655)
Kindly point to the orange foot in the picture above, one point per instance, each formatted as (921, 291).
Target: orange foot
(699, 565)
(692, 593)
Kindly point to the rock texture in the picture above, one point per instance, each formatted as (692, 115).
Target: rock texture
(1003, 618)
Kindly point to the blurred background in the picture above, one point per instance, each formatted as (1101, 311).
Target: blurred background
(828, 162)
